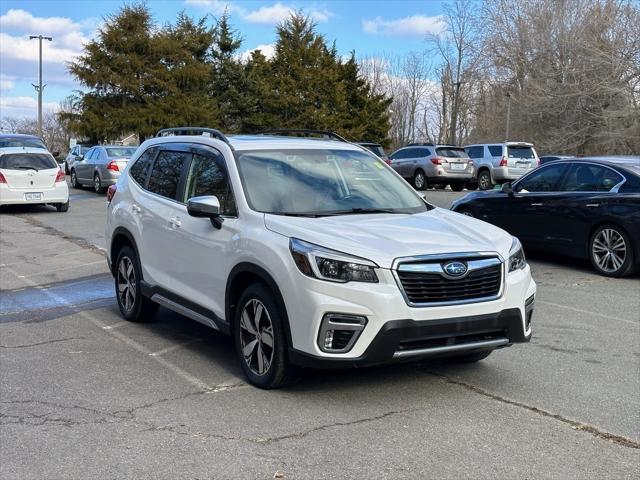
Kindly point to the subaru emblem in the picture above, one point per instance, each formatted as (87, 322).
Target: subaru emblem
(454, 269)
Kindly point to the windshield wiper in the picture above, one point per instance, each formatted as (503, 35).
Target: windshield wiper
(24, 167)
(358, 211)
(296, 214)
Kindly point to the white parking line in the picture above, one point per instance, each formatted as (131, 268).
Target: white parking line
(57, 269)
(173, 347)
(579, 310)
(115, 325)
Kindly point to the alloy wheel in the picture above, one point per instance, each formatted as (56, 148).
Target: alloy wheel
(609, 250)
(256, 337)
(484, 181)
(419, 180)
(127, 284)
(96, 184)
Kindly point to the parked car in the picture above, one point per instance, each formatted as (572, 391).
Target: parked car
(74, 155)
(552, 158)
(426, 164)
(377, 149)
(15, 140)
(31, 176)
(497, 163)
(101, 166)
(585, 208)
(284, 244)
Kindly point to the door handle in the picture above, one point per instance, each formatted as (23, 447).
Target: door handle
(536, 204)
(175, 222)
(592, 205)
(135, 208)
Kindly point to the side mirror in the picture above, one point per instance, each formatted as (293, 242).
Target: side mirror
(206, 207)
(79, 158)
(507, 188)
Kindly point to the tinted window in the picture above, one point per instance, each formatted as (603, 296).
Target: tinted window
(28, 142)
(495, 150)
(165, 173)
(475, 152)
(140, 168)
(121, 152)
(400, 154)
(452, 152)
(89, 154)
(208, 176)
(520, 152)
(544, 179)
(590, 178)
(27, 161)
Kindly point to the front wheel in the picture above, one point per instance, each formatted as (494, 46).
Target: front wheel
(260, 340)
(419, 180)
(611, 251)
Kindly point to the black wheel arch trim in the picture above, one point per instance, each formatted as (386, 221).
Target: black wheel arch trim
(264, 276)
(126, 233)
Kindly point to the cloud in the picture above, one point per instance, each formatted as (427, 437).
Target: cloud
(6, 83)
(267, 15)
(268, 50)
(413, 26)
(23, 106)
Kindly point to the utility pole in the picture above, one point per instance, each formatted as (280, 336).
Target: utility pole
(506, 133)
(39, 87)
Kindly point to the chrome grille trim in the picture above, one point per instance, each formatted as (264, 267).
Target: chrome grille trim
(432, 264)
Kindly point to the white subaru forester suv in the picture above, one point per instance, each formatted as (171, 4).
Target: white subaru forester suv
(310, 253)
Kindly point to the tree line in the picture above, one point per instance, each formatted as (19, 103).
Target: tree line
(140, 77)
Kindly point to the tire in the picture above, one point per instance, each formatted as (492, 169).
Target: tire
(133, 306)
(484, 180)
(470, 357)
(457, 187)
(62, 207)
(97, 184)
(264, 366)
(419, 180)
(439, 186)
(611, 251)
(66, 168)
(74, 180)
(466, 211)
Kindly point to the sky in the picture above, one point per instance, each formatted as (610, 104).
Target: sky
(369, 27)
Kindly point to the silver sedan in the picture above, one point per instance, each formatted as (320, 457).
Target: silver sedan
(101, 166)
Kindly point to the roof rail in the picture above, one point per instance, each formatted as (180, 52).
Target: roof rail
(302, 131)
(195, 131)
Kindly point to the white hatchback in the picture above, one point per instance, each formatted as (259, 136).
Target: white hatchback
(32, 176)
(309, 252)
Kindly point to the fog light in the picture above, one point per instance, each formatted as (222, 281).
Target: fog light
(339, 332)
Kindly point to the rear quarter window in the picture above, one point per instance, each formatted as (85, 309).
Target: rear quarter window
(25, 161)
(495, 150)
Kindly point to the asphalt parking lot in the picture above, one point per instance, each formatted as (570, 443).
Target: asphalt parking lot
(84, 394)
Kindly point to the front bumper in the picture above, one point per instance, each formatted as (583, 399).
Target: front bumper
(407, 340)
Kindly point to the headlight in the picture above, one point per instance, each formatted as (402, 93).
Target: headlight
(517, 261)
(319, 262)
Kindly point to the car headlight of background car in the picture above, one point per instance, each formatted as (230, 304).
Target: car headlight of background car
(325, 264)
(517, 260)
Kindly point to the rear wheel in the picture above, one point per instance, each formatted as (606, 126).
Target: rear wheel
(128, 277)
(466, 211)
(74, 180)
(611, 251)
(484, 180)
(470, 357)
(62, 207)
(260, 340)
(419, 180)
(97, 184)
(457, 187)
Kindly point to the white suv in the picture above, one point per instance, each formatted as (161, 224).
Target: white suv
(309, 252)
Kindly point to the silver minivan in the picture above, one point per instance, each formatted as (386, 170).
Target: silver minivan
(497, 163)
(101, 166)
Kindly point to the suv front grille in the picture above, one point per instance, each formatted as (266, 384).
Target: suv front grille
(427, 283)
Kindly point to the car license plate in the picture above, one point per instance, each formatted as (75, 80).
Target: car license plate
(458, 166)
(33, 196)
(523, 164)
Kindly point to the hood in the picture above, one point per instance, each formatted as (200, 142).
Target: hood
(382, 238)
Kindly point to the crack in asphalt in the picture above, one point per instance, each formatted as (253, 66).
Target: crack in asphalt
(81, 242)
(42, 343)
(576, 425)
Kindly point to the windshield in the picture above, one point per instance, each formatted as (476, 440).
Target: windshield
(26, 161)
(323, 182)
(521, 152)
(122, 152)
(25, 142)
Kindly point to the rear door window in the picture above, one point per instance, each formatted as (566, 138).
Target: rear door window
(521, 152)
(590, 178)
(451, 152)
(165, 173)
(495, 150)
(27, 161)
